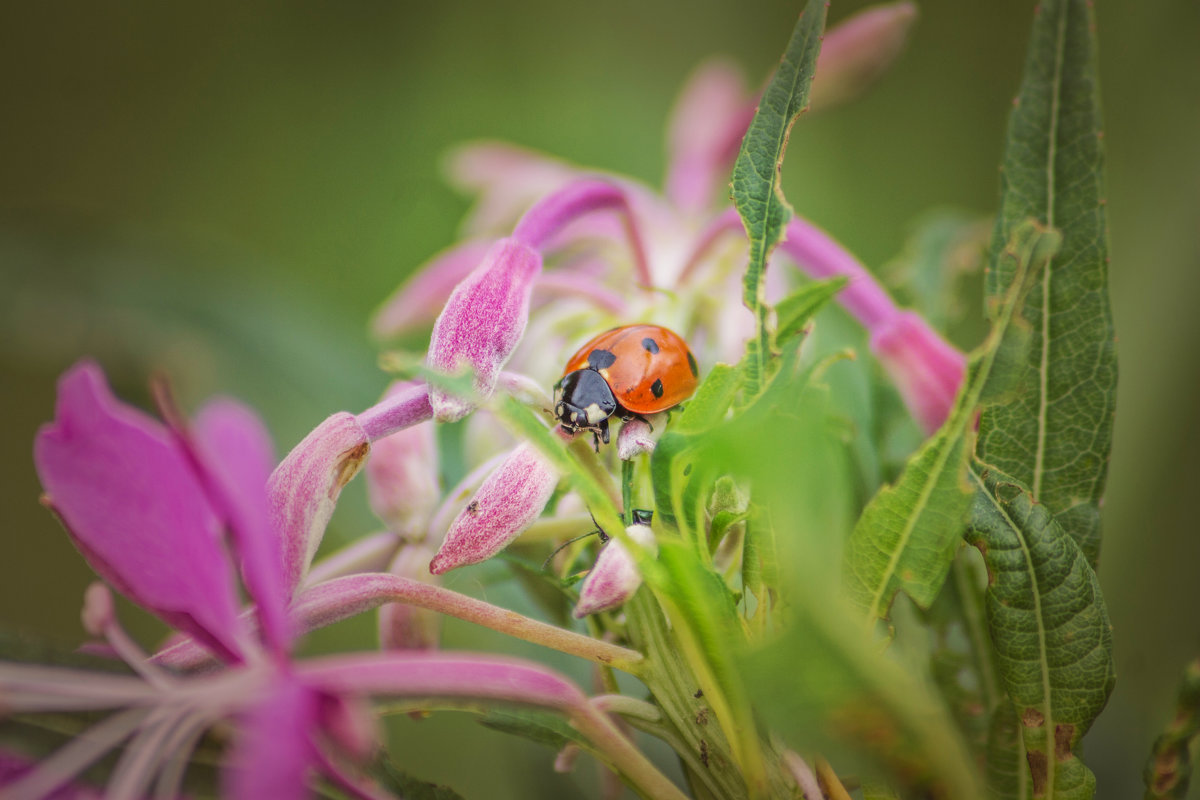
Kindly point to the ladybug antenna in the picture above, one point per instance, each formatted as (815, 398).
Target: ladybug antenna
(569, 542)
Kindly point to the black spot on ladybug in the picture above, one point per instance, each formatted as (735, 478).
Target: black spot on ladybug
(657, 388)
(650, 345)
(601, 359)
(692, 365)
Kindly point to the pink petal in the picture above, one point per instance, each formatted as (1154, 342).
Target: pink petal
(416, 303)
(482, 322)
(614, 577)
(706, 130)
(546, 221)
(273, 753)
(926, 369)
(304, 488)
(506, 180)
(130, 499)
(506, 504)
(402, 478)
(236, 451)
(859, 50)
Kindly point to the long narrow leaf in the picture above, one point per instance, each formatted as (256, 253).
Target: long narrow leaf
(1050, 628)
(907, 535)
(1055, 434)
(756, 191)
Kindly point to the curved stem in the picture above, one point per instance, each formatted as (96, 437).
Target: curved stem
(551, 214)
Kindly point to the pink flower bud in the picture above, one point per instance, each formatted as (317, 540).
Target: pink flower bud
(859, 50)
(408, 627)
(506, 504)
(926, 369)
(98, 609)
(304, 488)
(402, 478)
(614, 577)
(416, 303)
(482, 322)
(634, 439)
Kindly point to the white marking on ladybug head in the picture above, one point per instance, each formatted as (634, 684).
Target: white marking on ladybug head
(593, 413)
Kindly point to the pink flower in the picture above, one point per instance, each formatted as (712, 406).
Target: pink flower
(148, 505)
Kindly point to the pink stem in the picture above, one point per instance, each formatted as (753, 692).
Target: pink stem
(342, 598)
(821, 257)
(395, 412)
(551, 214)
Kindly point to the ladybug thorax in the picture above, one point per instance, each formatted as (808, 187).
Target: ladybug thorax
(584, 400)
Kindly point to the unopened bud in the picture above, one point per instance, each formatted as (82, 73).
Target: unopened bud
(615, 576)
(506, 504)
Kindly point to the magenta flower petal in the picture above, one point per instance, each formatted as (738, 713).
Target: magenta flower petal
(130, 499)
(304, 488)
(614, 577)
(402, 478)
(707, 125)
(505, 179)
(273, 752)
(545, 222)
(482, 322)
(926, 369)
(506, 504)
(858, 51)
(416, 303)
(403, 626)
(235, 449)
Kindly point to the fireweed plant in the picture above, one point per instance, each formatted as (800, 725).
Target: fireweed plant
(796, 626)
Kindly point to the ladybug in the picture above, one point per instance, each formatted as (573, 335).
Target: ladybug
(627, 372)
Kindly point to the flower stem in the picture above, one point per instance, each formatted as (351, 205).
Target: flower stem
(345, 597)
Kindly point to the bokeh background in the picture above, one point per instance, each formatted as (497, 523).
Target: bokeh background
(225, 191)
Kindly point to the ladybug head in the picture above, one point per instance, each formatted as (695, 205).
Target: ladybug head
(584, 401)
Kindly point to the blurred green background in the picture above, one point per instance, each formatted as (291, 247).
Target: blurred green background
(224, 192)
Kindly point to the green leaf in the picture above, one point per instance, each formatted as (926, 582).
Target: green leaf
(907, 535)
(669, 468)
(1050, 629)
(1169, 768)
(756, 190)
(824, 685)
(401, 784)
(1055, 434)
(944, 248)
(793, 312)
(702, 611)
(542, 727)
(1007, 767)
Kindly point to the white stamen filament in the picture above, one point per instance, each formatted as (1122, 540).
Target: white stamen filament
(76, 756)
